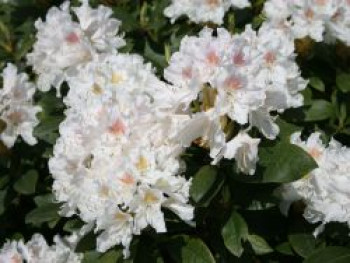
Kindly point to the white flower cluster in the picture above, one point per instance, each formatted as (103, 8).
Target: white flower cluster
(325, 190)
(243, 79)
(37, 250)
(62, 43)
(114, 163)
(16, 107)
(200, 11)
(319, 19)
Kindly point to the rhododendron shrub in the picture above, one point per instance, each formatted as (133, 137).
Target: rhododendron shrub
(174, 131)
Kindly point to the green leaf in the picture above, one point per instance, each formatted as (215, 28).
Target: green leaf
(184, 249)
(4, 179)
(319, 110)
(26, 184)
(73, 225)
(42, 214)
(42, 200)
(91, 257)
(343, 82)
(202, 182)
(286, 129)
(2, 201)
(234, 232)
(285, 163)
(47, 130)
(259, 245)
(329, 255)
(317, 84)
(111, 256)
(157, 59)
(285, 249)
(303, 244)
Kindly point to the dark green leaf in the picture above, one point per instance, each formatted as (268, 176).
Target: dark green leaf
(202, 182)
(184, 249)
(329, 255)
(157, 59)
(303, 244)
(47, 129)
(2, 201)
(234, 232)
(317, 84)
(4, 179)
(343, 82)
(42, 214)
(319, 110)
(111, 256)
(91, 257)
(42, 200)
(285, 249)
(259, 245)
(26, 184)
(280, 163)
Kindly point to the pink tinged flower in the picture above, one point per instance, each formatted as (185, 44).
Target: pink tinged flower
(72, 38)
(187, 72)
(321, 2)
(127, 179)
(309, 14)
(117, 128)
(315, 153)
(15, 117)
(212, 58)
(233, 83)
(270, 57)
(16, 259)
(238, 59)
(213, 3)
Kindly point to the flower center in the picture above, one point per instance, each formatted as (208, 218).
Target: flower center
(187, 72)
(117, 128)
(127, 179)
(212, 58)
(120, 216)
(104, 191)
(309, 14)
(72, 38)
(142, 164)
(270, 57)
(213, 3)
(15, 117)
(320, 2)
(315, 153)
(238, 59)
(116, 78)
(233, 83)
(96, 89)
(150, 198)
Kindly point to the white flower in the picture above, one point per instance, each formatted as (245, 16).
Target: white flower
(244, 149)
(16, 107)
(324, 190)
(10, 253)
(243, 79)
(200, 11)
(63, 44)
(37, 250)
(319, 19)
(116, 163)
(118, 229)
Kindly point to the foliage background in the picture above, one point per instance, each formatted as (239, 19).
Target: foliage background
(236, 215)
